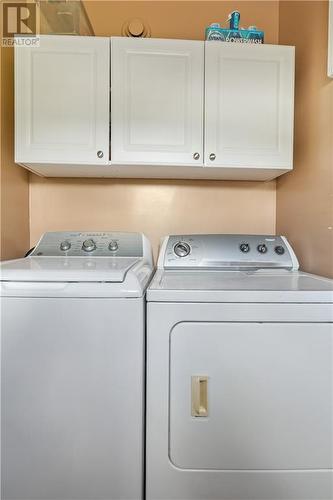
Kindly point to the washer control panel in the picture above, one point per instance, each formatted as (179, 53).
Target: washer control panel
(227, 251)
(97, 244)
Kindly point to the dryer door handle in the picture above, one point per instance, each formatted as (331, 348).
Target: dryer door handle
(199, 390)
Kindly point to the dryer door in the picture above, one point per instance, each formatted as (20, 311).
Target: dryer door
(251, 396)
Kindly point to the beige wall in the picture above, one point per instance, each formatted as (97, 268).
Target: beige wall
(181, 19)
(305, 196)
(14, 186)
(160, 207)
(154, 207)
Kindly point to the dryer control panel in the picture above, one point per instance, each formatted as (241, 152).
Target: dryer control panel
(227, 251)
(97, 244)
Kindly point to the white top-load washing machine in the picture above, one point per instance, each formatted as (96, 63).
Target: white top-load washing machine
(239, 372)
(72, 374)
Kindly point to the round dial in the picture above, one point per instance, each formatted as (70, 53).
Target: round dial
(279, 250)
(113, 246)
(182, 249)
(244, 247)
(65, 245)
(89, 245)
(262, 248)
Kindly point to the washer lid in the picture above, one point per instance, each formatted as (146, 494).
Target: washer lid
(85, 257)
(68, 269)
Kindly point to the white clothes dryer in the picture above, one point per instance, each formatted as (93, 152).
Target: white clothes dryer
(72, 374)
(239, 372)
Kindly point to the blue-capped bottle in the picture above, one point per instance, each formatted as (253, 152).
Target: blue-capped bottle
(234, 18)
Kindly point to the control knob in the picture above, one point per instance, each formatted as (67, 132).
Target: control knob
(279, 250)
(89, 245)
(113, 246)
(244, 247)
(182, 249)
(65, 245)
(262, 248)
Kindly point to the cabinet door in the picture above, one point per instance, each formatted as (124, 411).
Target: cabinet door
(249, 105)
(157, 101)
(62, 93)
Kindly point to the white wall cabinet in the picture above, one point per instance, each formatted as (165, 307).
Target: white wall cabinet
(249, 104)
(157, 101)
(62, 101)
(178, 108)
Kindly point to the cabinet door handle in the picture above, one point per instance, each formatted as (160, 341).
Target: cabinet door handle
(196, 156)
(199, 386)
(100, 154)
(212, 156)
